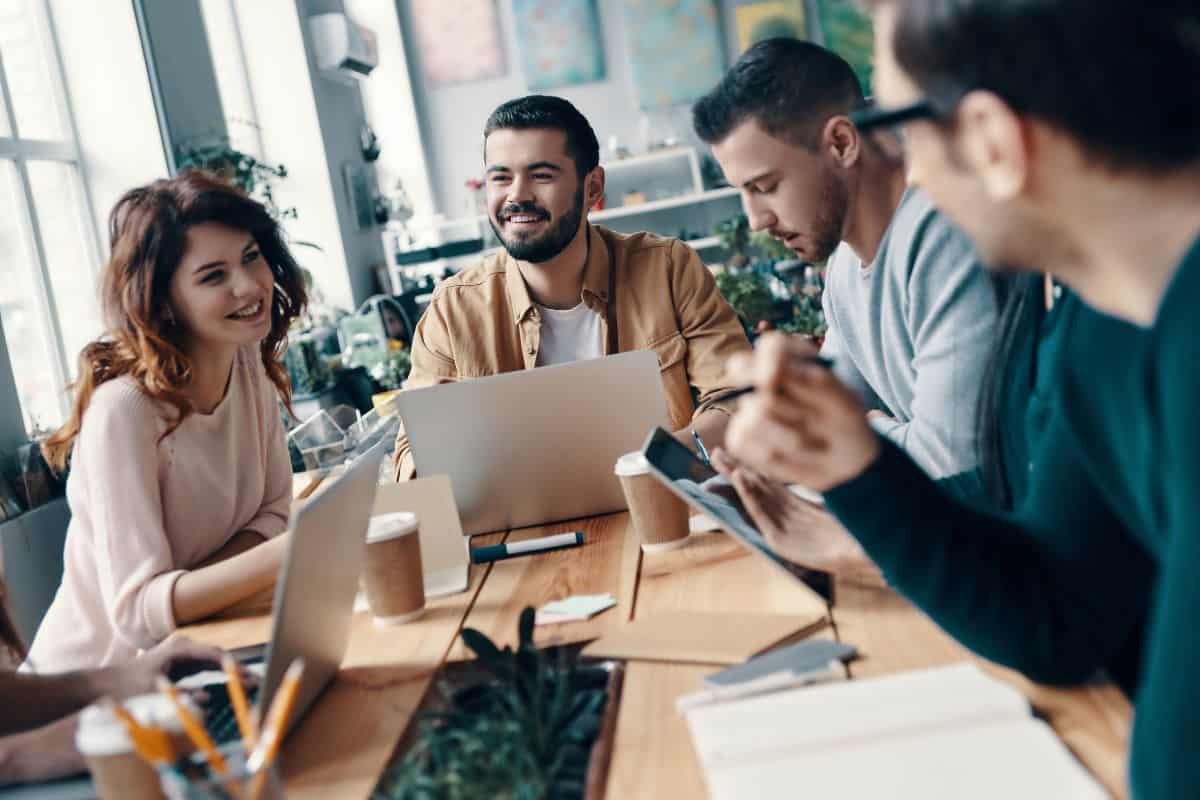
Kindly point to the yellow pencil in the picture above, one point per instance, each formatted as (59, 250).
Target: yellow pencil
(271, 734)
(237, 698)
(150, 742)
(195, 731)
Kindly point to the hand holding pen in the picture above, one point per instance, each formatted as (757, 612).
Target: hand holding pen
(800, 424)
(733, 394)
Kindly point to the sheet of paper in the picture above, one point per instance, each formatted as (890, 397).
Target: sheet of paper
(575, 608)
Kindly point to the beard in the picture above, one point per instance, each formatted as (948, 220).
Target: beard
(831, 220)
(539, 249)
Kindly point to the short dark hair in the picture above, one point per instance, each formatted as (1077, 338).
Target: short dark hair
(1117, 76)
(555, 113)
(790, 87)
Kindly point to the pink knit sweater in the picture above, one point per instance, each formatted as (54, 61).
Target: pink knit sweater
(145, 511)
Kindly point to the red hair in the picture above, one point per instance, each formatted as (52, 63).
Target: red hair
(148, 229)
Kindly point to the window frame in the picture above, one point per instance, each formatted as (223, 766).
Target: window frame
(66, 151)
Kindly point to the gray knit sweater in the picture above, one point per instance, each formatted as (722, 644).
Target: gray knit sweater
(912, 330)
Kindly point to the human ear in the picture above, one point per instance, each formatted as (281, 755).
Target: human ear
(994, 143)
(840, 139)
(593, 187)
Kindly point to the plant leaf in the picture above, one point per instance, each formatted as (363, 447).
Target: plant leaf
(525, 627)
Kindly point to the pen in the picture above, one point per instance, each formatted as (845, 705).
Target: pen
(700, 449)
(820, 361)
(776, 681)
(237, 698)
(497, 552)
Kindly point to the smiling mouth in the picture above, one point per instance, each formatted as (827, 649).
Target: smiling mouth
(249, 312)
(524, 219)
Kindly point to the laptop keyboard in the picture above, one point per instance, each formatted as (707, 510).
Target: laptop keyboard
(219, 718)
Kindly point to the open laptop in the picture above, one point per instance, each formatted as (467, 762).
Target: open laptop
(314, 597)
(313, 609)
(693, 481)
(537, 445)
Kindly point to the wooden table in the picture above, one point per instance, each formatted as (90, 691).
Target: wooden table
(344, 743)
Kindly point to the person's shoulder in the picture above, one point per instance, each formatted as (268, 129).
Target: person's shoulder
(483, 276)
(122, 404)
(640, 243)
(119, 396)
(929, 241)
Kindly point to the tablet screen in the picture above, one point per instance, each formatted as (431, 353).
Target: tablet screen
(708, 491)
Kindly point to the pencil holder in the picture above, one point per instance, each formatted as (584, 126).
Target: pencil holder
(192, 778)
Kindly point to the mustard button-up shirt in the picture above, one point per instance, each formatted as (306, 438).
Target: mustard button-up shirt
(651, 293)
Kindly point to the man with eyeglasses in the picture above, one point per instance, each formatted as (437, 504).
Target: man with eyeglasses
(1059, 135)
(910, 315)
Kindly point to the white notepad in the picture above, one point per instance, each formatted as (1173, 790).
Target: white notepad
(948, 732)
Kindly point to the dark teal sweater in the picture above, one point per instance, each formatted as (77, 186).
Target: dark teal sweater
(946, 555)
(1107, 533)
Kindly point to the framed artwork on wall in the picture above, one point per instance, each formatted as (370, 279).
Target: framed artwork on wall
(459, 41)
(559, 41)
(847, 31)
(675, 50)
(766, 20)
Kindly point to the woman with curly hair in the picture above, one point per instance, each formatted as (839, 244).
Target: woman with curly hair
(180, 483)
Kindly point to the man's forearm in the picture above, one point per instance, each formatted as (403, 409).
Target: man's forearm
(31, 700)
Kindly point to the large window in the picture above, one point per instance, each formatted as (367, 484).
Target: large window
(48, 246)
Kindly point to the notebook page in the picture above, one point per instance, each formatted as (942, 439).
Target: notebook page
(838, 715)
(997, 760)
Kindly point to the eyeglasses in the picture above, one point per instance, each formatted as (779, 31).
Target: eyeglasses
(873, 120)
(872, 117)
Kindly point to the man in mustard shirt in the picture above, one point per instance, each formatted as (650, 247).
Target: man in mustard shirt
(566, 290)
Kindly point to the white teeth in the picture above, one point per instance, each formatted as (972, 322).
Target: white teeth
(523, 219)
(248, 312)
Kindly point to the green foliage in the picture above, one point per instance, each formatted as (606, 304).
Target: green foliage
(243, 170)
(393, 370)
(526, 734)
(734, 234)
(749, 294)
(769, 247)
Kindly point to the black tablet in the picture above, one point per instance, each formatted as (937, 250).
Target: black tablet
(709, 492)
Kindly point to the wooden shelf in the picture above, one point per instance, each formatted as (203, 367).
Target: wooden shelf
(648, 158)
(661, 205)
(707, 243)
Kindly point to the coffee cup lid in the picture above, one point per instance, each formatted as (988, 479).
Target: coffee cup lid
(632, 464)
(391, 526)
(100, 733)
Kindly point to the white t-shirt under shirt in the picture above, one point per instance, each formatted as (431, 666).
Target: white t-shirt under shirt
(571, 335)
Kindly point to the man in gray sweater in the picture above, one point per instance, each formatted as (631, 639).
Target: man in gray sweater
(910, 315)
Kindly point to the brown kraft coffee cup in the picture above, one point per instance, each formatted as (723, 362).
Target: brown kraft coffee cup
(393, 575)
(659, 517)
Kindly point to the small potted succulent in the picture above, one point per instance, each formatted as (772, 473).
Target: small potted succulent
(527, 724)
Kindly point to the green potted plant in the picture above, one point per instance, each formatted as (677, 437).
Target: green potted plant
(734, 234)
(525, 732)
(770, 248)
(749, 293)
(250, 174)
